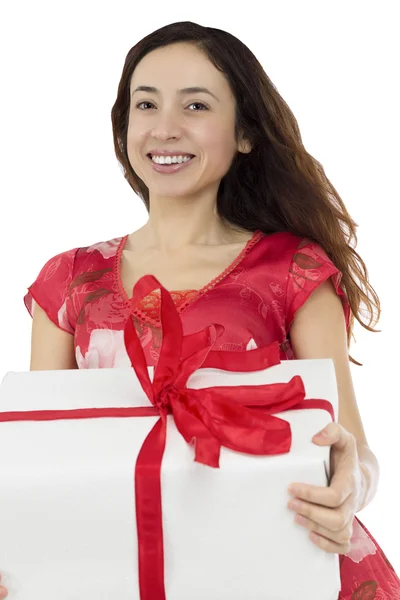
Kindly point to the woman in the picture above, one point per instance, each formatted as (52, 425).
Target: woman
(244, 226)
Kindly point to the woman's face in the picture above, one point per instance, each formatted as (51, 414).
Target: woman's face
(185, 122)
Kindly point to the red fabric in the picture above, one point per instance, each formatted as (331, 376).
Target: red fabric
(255, 300)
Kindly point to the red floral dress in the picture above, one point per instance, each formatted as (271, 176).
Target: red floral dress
(255, 299)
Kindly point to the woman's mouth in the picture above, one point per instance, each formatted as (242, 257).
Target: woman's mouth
(170, 167)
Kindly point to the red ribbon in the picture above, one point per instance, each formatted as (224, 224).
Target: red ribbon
(237, 417)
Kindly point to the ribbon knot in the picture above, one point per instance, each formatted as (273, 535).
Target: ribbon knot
(163, 399)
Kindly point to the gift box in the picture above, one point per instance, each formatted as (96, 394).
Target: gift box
(165, 485)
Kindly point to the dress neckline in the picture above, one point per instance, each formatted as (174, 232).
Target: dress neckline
(192, 295)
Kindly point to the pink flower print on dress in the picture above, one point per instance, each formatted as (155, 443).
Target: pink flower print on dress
(238, 272)
(366, 590)
(263, 310)
(106, 249)
(106, 351)
(276, 289)
(147, 337)
(104, 308)
(304, 267)
(245, 295)
(155, 354)
(277, 308)
(231, 347)
(52, 269)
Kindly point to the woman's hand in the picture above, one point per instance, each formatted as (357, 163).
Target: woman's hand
(328, 512)
(3, 591)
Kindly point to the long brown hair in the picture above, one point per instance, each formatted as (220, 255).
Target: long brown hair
(278, 186)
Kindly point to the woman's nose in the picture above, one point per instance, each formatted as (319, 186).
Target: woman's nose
(167, 125)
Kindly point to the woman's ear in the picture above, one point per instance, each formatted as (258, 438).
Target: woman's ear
(244, 146)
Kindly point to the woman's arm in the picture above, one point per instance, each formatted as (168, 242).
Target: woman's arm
(319, 331)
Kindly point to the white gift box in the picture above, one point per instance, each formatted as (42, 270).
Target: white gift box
(67, 503)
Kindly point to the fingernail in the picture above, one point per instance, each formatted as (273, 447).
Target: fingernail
(323, 433)
(294, 505)
(300, 520)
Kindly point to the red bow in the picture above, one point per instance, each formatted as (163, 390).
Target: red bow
(218, 416)
(237, 417)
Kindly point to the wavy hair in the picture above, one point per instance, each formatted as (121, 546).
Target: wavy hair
(278, 186)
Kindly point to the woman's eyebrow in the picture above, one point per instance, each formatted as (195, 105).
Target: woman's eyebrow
(188, 90)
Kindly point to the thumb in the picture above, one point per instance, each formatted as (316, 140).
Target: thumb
(326, 436)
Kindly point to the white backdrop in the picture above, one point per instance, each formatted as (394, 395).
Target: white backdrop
(61, 186)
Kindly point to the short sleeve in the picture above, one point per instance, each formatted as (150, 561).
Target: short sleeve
(310, 266)
(51, 289)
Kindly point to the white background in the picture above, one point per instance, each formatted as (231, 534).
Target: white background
(61, 186)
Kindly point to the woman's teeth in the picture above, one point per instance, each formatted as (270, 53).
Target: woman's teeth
(169, 160)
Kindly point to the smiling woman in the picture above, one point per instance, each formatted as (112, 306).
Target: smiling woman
(184, 124)
(169, 162)
(248, 232)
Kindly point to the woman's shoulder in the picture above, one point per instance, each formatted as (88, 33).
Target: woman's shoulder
(304, 265)
(99, 251)
(293, 247)
(63, 278)
(297, 265)
(69, 264)
(276, 248)
(299, 260)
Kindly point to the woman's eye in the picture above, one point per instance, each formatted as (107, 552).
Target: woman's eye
(198, 104)
(140, 103)
(192, 104)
